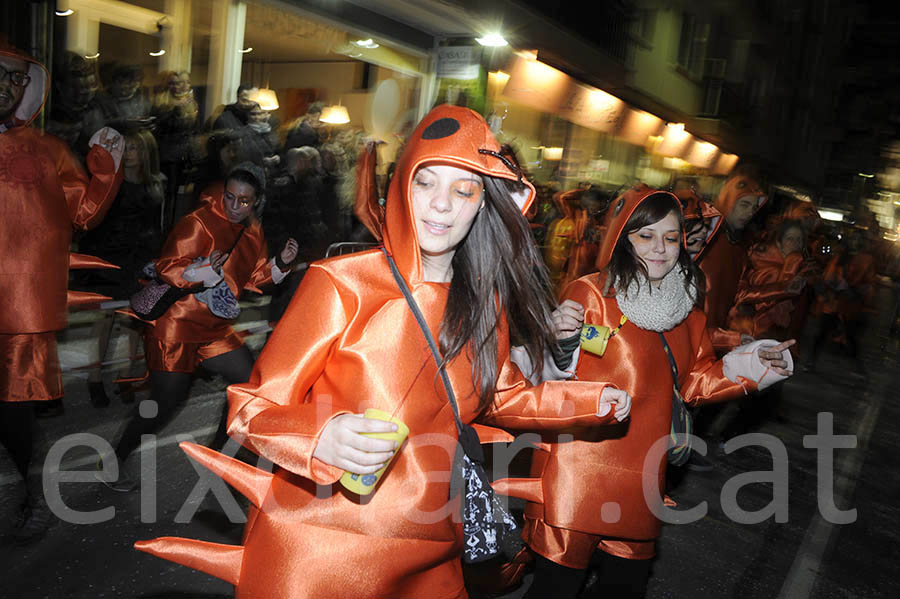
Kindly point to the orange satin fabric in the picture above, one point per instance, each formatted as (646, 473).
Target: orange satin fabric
(348, 341)
(30, 370)
(180, 356)
(198, 234)
(46, 196)
(574, 549)
(607, 464)
(366, 207)
(763, 290)
(723, 264)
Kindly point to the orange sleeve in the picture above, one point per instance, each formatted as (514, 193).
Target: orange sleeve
(187, 241)
(272, 413)
(88, 197)
(706, 383)
(262, 271)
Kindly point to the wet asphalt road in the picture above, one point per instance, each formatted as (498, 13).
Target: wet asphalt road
(800, 555)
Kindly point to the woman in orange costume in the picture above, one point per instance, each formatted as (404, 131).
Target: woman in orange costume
(45, 195)
(588, 493)
(772, 281)
(220, 248)
(723, 261)
(454, 226)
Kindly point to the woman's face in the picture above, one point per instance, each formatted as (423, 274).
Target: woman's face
(658, 245)
(240, 197)
(131, 154)
(445, 201)
(791, 242)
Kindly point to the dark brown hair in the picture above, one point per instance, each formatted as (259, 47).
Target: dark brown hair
(625, 266)
(496, 269)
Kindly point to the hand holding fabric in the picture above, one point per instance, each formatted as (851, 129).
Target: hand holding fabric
(217, 260)
(341, 444)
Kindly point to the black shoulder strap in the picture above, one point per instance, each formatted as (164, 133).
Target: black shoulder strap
(428, 337)
(672, 363)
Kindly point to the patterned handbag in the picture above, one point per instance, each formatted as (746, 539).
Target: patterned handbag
(152, 301)
(485, 520)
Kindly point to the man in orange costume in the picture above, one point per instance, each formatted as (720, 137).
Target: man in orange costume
(724, 260)
(45, 195)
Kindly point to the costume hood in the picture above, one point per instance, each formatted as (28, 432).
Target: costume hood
(617, 215)
(448, 135)
(695, 208)
(736, 188)
(802, 211)
(37, 90)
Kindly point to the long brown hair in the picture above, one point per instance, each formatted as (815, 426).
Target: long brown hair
(496, 269)
(625, 266)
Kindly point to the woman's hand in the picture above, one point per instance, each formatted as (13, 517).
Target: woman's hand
(567, 319)
(289, 253)
(341, 444)
(620, 398)
(217, 260)
(773, 357)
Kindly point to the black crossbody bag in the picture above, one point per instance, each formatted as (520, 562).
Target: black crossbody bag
(679, 450)
(485, 520)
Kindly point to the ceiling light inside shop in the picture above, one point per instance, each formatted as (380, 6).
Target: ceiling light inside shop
(865, 176)
(92, 56)
(554, 153)
(159, 53)
(366, 43)
(64, 13)
(492, 40)
(247, 50)
(831, 215)
(266, 98)
(335, 115)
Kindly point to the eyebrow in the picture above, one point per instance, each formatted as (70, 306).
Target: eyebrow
(472, 176)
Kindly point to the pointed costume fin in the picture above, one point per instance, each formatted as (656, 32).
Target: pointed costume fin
(216, 559)
(252, 483)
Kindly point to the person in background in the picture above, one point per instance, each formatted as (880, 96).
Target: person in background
(75, 86)
(845, 297)
(306, 131)
(219, 249)
(176, 116)
(723, 261)
(235, 116)
(123, 104)
(130, 236)
(45, 195)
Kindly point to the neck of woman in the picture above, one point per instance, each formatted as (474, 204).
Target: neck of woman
(437, 268)
(132, 174)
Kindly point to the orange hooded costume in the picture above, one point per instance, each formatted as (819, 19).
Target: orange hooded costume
(588, 492)
(694, 208)
(188, 331)
(349, 341)
(723, 263)
(763, 306)
(45, 195)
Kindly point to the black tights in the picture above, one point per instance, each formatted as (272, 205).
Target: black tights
(616, 578)
(17, 434)
(169, 389)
